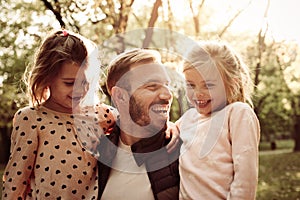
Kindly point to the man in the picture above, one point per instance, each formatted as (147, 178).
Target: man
(134, 161)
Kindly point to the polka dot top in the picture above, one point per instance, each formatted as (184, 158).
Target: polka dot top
(53, 154)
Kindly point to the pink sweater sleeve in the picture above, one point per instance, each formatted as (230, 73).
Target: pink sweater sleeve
(245, 134)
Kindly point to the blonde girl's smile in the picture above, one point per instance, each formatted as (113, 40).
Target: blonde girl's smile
(205, 89)
(202, 103)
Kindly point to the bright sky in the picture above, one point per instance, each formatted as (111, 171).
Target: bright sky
(283, 16)
(288, 23)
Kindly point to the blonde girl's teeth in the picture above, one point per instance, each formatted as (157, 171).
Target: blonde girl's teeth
(202, 102)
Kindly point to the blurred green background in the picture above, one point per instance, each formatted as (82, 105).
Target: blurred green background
(263, 31)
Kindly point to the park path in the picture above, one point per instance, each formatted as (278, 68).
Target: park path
(272, 152)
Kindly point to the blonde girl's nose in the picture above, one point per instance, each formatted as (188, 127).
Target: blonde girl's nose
(198, 93)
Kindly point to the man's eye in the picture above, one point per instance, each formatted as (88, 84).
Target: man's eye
(152, 86)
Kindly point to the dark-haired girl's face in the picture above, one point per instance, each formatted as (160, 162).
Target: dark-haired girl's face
(67, 89)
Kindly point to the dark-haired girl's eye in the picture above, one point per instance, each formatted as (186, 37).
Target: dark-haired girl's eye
(69, 83)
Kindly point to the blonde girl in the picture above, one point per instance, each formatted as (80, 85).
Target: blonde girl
(219, 157)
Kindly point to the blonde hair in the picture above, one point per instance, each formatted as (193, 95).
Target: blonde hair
(59, 47)
(234, 72)
(125, 61)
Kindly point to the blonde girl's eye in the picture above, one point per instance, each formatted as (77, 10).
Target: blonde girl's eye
(210, 85)
(190, 85)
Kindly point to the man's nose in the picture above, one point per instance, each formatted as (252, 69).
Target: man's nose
(165, 93)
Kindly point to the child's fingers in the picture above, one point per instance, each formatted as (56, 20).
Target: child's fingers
(168, 134)
(173, 133)
(172, 145)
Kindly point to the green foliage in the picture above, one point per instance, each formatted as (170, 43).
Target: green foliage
(22, 26)
(11, 101)
(12, 57)
(273, 97)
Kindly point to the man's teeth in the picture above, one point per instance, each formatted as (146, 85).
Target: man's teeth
(159, 109)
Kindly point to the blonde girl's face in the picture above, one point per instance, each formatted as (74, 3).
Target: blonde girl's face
(205, 89)
(67, 89)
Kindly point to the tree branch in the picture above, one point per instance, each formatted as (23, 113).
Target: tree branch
(55, 12)
(233, 18)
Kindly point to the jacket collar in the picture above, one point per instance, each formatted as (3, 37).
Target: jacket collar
(147, 147)
(144, 148)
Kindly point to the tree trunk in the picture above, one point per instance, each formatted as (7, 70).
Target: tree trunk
(5, 133)
(196, 16)
(297, 134)
(154, 16)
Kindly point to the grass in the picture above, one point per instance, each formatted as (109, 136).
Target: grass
(279, 177)
(279, 172)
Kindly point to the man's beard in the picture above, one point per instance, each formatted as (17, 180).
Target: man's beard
(140, 115)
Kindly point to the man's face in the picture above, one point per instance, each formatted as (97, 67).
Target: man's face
(150, 96)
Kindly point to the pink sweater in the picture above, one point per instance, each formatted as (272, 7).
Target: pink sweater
(219, 156)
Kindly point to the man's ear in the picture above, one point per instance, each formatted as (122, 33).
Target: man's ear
(118, 95)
